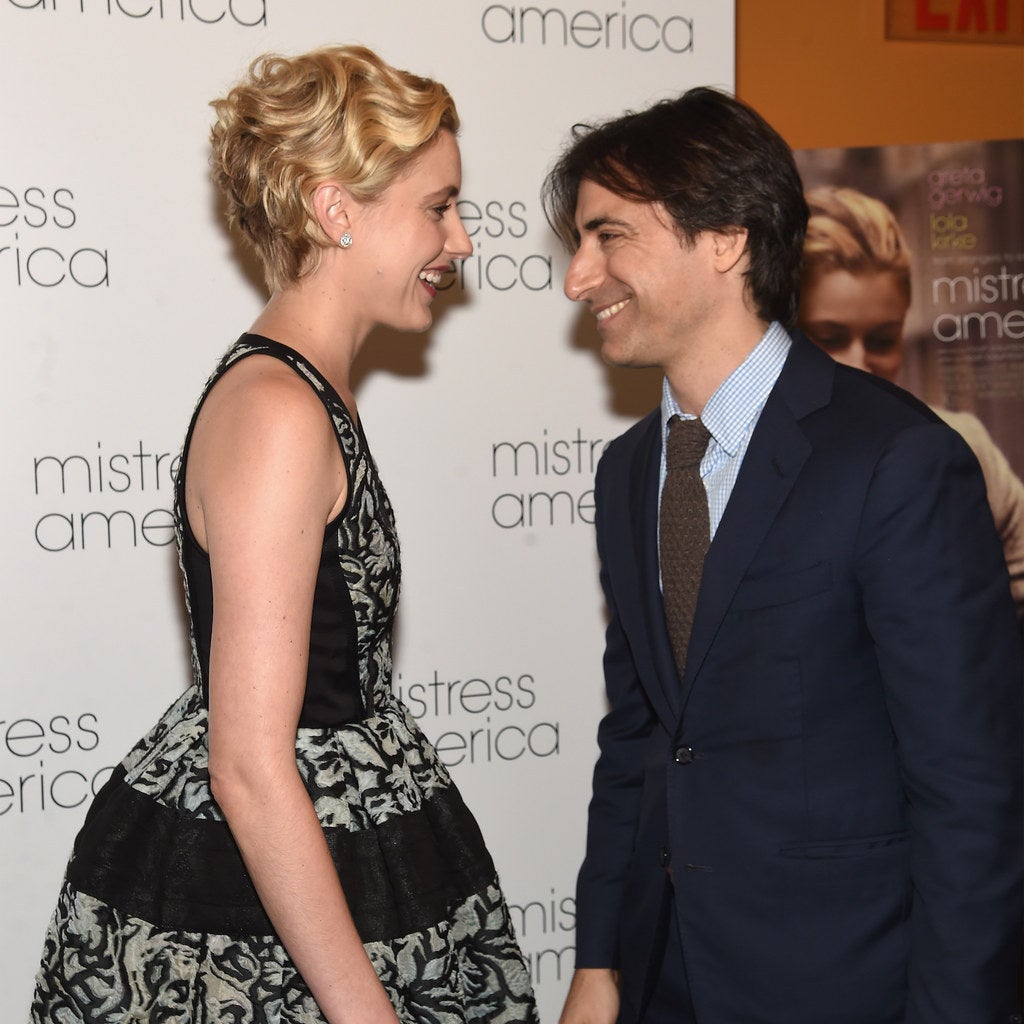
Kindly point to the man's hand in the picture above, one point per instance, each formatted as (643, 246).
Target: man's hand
(593, 997)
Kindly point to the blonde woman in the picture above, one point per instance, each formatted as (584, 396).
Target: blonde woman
(284, 846)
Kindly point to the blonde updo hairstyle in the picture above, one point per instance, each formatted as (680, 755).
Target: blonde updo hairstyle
(851, 231)
(338, 113)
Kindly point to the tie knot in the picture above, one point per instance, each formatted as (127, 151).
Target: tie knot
(687, 443)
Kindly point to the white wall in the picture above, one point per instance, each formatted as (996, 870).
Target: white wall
(119, 289)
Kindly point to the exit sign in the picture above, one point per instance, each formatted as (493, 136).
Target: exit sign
(955, 21)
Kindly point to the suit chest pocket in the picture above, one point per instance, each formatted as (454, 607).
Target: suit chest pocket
(770, 591)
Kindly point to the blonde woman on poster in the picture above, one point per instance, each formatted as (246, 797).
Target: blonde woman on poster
(853, 303)
(284, 846)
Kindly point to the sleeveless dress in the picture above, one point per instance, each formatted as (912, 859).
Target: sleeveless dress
(158, 920)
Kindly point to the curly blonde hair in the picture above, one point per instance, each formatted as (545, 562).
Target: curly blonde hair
(851, 231)
(294, 122)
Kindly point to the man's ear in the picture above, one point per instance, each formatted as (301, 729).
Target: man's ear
(730, 246)
(332, 207)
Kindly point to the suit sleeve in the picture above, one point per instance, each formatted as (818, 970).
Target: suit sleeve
(937, 603)
(619, 773)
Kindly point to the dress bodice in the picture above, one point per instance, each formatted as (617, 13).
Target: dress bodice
(356, 594)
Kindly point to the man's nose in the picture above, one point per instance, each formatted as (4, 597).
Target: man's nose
(582, 274)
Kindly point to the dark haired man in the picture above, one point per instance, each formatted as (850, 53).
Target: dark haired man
(807, 805)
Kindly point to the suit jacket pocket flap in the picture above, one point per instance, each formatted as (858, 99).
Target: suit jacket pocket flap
(840, 848)
(783, 588)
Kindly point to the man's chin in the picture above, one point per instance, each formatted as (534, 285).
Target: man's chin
(613, 354)
(621, 356)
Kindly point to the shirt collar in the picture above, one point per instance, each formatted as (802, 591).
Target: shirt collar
(738, 400)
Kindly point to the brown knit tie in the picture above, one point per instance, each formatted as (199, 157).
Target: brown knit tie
(685, 530)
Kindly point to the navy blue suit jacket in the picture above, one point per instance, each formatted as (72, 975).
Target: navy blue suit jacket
(836, 782)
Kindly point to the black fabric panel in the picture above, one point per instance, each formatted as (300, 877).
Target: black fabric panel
(186, 874)
(333, 695)
(333, 692)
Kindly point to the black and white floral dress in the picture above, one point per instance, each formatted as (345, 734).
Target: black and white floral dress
(158, 920)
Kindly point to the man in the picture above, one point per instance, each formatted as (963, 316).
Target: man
(807, 805)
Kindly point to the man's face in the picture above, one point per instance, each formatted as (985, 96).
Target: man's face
(653, 294)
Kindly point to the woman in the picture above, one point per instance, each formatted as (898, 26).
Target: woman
(284, 846)
(853, 302)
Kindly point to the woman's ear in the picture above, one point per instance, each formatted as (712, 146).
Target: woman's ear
(332, 207)
(730, 245)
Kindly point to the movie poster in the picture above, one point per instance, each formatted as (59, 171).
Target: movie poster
(960, 210)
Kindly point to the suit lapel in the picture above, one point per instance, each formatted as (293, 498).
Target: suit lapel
(777, 452)
(630, 554)
(644, 500)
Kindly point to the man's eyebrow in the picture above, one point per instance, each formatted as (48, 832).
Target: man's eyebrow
(596, 223)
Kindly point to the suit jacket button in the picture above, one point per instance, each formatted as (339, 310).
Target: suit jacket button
(664, 858)
(684, 755)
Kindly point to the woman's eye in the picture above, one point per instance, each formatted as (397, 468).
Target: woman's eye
(442, 210)
(881, 344)
(831, 342)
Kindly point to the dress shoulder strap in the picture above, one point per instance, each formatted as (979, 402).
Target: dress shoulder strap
(346, 430)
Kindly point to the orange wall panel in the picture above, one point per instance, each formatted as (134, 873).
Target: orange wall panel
(824, 74)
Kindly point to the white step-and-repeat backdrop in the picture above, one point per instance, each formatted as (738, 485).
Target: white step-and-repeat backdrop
(119, 289)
